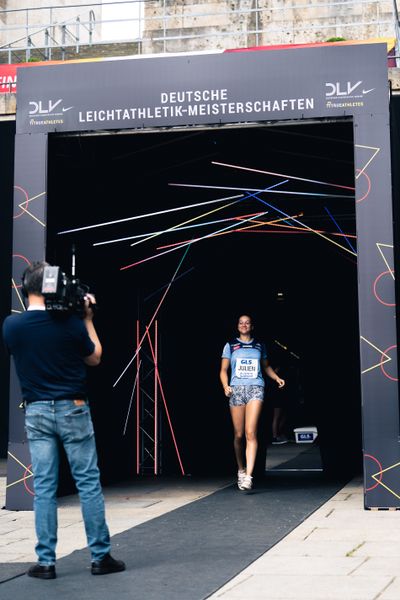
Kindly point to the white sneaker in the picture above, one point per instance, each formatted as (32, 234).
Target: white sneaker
(247, 483)
(240, 478)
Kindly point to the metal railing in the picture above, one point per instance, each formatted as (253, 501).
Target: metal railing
(46, 32)
(161, 26)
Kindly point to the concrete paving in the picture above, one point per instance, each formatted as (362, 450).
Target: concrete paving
(340, 552)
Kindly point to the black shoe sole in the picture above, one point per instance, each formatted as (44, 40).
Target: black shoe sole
(42, 575)
(105, 571)
(98, 570)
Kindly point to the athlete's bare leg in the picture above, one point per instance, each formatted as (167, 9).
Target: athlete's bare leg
(253, 411)
(238, 417)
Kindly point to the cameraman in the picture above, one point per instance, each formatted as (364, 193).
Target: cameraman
(50, 355)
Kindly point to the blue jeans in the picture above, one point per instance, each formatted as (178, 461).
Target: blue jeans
(46, 424)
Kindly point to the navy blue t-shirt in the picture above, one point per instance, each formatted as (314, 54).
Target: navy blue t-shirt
(48, 352)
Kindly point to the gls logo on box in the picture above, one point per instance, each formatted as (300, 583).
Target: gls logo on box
(40, 108)
(339, 89)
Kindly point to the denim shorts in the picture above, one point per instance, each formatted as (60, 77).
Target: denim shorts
(243, 394)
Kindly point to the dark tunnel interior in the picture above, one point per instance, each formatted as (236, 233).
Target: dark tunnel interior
(192, 228)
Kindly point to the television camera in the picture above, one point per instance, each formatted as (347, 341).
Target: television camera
(64, 294)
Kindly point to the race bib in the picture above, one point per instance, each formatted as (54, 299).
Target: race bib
(247, 368)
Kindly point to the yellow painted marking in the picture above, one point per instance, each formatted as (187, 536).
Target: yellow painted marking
(370, 160)
(18, 294)
(383, 256)
(388, 358)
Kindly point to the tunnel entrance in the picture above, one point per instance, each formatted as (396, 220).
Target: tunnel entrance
(189, 229)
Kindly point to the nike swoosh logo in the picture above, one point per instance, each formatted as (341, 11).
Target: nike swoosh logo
(69, 108)
(364, 91)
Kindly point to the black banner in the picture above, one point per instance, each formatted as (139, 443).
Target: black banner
(203, 89)
(240, 87)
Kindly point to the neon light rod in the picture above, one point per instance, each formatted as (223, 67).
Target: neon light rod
(153, 317)
(306, 227)
(204, 215)
(153, 214)
(344, 187)
(338, 226)
(187, 243)
(252, 227)
(142, 235)
(220, 187)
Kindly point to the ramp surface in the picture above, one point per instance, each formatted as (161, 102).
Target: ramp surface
(188, 553)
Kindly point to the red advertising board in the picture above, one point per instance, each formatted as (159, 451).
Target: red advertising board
(8, 74)
(8, 79)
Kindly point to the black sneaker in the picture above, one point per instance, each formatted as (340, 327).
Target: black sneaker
(106, 565)
(42, 571)
(280, 440)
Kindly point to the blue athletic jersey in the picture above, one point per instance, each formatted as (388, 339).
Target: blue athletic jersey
(245, 359)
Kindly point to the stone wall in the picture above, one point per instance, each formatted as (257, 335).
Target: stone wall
(207, 25)
(193, 25)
